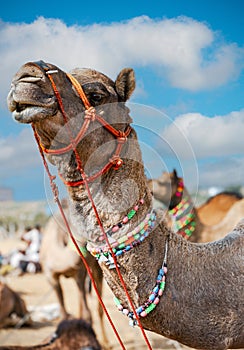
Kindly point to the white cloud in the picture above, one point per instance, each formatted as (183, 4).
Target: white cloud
(209, 137)
(224, 172)
(186, 51)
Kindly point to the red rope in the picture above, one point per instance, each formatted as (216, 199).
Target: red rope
(56, 198)
(121, 139)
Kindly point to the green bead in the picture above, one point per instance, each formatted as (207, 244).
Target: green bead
(117, 302)
(162, 285)
(150, 308)
(121, 246)
(131, 214)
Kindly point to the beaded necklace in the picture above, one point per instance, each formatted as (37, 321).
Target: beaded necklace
(183, 216)
(154, 297)
(125, 220)
(125, 244)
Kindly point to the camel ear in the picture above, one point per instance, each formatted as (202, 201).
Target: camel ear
(175, 174)
(125, 83)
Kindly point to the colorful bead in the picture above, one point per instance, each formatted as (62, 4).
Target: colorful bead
(153, 299)
(183, 216)
(156, 301)
(131, 239)
(125, 220)
(115, 228)
(143, 314)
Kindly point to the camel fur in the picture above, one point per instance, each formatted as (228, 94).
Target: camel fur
(202, 304)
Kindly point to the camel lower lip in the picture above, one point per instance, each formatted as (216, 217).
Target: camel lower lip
(29, 114)
(25, 116)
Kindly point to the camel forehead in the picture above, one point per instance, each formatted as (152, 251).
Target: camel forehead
(165, 176)
(87, 75)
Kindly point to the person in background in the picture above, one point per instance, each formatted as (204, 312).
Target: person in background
(30, 258)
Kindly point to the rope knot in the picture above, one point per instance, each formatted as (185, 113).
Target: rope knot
(121, 137)
(90, 114)
(116, 161)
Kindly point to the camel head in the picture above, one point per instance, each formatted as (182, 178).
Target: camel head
(32, 100)
(164, 187)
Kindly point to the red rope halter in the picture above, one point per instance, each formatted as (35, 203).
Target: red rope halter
(90, 115)
(115, 161)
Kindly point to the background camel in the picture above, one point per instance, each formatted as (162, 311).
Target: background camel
(216, 207)
(58, 257)
(202, 301)
(164, 190)
(11, 304)
(70, 335)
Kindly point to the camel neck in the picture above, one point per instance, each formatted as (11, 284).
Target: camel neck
(179, 193)
(115, 195)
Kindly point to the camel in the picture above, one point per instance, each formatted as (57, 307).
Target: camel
(82, 124)
(58, 257)
(216, 207)
(70, 335)
(166, 190)
(11, 304)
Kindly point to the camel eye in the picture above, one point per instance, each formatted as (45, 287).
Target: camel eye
(95, 97)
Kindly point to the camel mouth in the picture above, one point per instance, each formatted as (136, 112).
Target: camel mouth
(28, 113)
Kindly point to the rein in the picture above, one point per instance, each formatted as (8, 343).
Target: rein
(115, 162)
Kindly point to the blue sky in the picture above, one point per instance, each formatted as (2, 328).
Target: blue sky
(188, 60)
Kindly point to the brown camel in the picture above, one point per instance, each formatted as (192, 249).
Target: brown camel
(171, 192)
(216, 207)
(201, 302)
(11, 304)
(58, 257)
(70, 335)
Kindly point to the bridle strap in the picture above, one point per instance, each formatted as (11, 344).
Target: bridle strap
(114, 162)
(90, 115)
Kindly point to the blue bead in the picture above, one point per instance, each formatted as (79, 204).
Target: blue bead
(156, 289)
(139, 310)
(127, 248)
(161, 272)
(119, 252)
(159, 278)
(151, 297)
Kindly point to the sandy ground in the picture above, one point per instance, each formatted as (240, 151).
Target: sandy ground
(38, 294)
